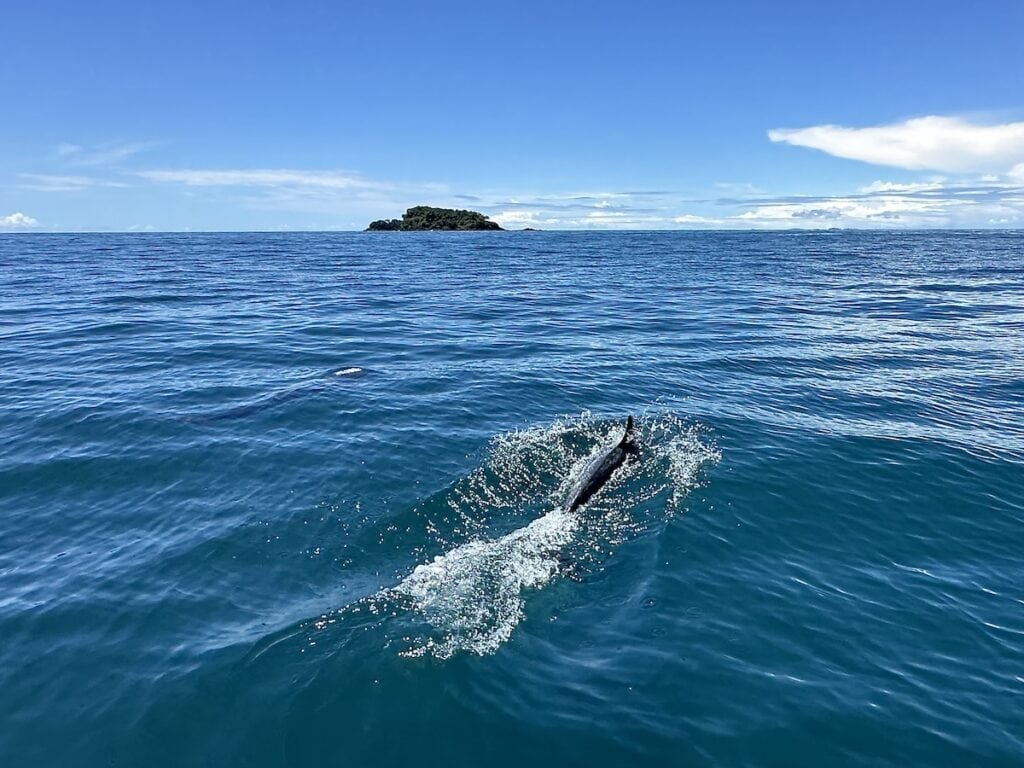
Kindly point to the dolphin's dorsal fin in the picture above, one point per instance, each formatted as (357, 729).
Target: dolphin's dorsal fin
(629, 431)
(626, 443)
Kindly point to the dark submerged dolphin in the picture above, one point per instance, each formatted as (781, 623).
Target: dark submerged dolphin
(308, 387)
(600, 468)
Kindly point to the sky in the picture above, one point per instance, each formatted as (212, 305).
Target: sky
(125, 116)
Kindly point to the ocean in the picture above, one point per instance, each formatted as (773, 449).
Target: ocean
(295, 499)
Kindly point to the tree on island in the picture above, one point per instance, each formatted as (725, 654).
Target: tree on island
(423, 217)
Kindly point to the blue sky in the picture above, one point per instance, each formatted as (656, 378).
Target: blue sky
(325, 115)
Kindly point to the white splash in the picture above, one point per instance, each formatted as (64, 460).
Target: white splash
(475, 592)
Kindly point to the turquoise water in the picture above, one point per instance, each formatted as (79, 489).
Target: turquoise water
(217, 550)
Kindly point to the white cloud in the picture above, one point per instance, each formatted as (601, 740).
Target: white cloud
(592, 215)
(604, 219)
(17, 221)
(967, 204)
(692, 220)
(937, 143)
(522, 218)
(885, 210)
(891, 186)
(944, 207)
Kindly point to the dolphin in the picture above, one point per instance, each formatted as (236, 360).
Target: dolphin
(600, 468)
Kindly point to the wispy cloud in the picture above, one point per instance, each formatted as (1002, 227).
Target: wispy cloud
(17, 221)
(891, 204)
(580, 210)
(330, 191)
(112, 153)
(739, 188)
(882, 204)
(343, 196)
(937, 143)
(642, 209)
(265, 178)
(45, 182)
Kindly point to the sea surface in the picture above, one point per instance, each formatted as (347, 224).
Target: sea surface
(295, 499)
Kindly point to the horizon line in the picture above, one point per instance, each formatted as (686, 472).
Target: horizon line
(593, 230)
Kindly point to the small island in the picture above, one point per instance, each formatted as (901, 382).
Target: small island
(423, 218)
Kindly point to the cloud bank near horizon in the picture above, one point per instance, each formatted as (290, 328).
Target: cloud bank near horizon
(982, 187)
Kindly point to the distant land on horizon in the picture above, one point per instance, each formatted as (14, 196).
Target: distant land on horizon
(425, 218)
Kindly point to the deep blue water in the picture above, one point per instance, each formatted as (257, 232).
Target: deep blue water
(215, 551)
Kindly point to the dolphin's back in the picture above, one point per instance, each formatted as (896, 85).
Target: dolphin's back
(600, 468)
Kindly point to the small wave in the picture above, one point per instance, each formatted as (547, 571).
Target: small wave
(266, 402)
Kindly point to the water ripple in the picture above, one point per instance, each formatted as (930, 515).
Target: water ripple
(193, 510)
